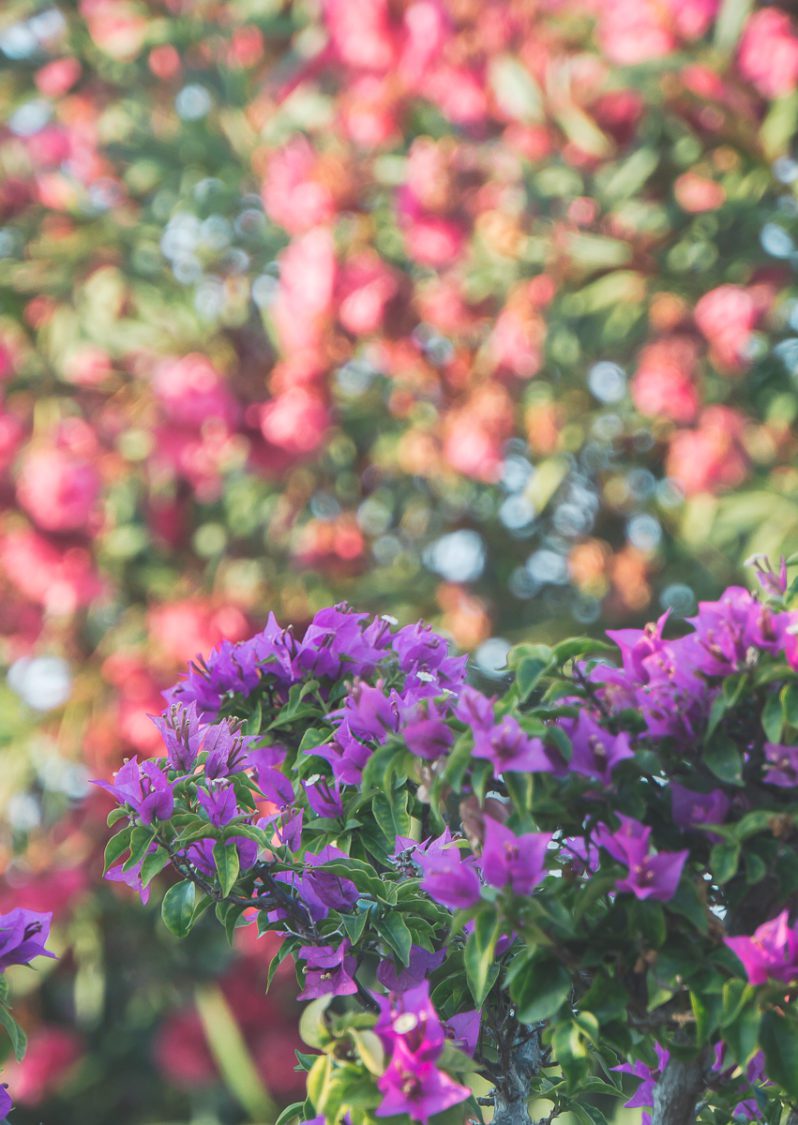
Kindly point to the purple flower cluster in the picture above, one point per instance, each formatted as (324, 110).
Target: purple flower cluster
(23, 936)
(413, 1037)
(648, 875)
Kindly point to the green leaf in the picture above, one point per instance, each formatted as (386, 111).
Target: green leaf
(778, 1037)
(541, 990)
(479, 953)
(225, 856)
(313, 737)
(581, 647)
(535, 663)
(369, 1048)
(291, 1113)
(724, 860)
(116, 815)
(515, 89)
(116, 847)
(731, 20)
(394, 931)
(177, 908)
(140, 840)
(275, 963)
(390, 813)
(773, 718)
(153, 864)
(312, 1027)
(17, 1036)
(723, 758)
(779, 126)
(355, 924)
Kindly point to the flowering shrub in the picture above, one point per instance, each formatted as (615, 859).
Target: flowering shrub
(23, 934)
(475, 311)
(492, 899)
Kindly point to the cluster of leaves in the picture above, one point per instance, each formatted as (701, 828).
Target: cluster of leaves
(567, 860)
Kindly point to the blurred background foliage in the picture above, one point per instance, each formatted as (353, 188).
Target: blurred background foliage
(477, 310)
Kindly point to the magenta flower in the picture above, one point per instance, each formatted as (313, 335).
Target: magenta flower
(323, 798)
(781, 765)
(6, 1104)
(328, 971)
(644, 1094)
(369, 712)
(510, 749)
(690, 809)
(218, 802)
(649, 876)
(770, 953)
(462, 1030)
(321, 890)
(425, 730)
(422, 963)
(448, 878)
(518, 862)
(181, 732)
(596, 751)
(475, 709)
(144, 787)
(418, 1089)
(227, 749)
(23, 934)
(409, 1020)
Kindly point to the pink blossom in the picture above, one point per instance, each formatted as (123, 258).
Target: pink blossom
(366, 286)
(293, 194)
(768, 53)
(302, 310)
(61, 579)
(710, 458)
(52, 1052)
(663, 385)
(57, 489)
(191, 391)
(770, 953)
(56, 77)
(295, 421)
(727, 316)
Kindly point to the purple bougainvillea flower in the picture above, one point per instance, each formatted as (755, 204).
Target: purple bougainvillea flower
(218, 802)
(274, 785)
(596, 751)
(421, 964)
(321, 890)
(448, 878)
(335, 641)
(649, 876)
(408, 1019)
(648, 1075)
(144, 787)
(510, 749)
(227, 749)
(781, 765)
(657, 876)
(23, 934)
(426, 731)
(329, 971)
(475, 709)
(369, 712)
(323, 798)
(518, 862)
(770, 953)
(627, 844)
(425, 660)
(6, 1104)
(690, 809)
(462, 1030)
(346, 754)
(181, 731)
(418, 1089)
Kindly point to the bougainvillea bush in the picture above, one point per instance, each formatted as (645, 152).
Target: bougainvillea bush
(477, 311)
(576, 891)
